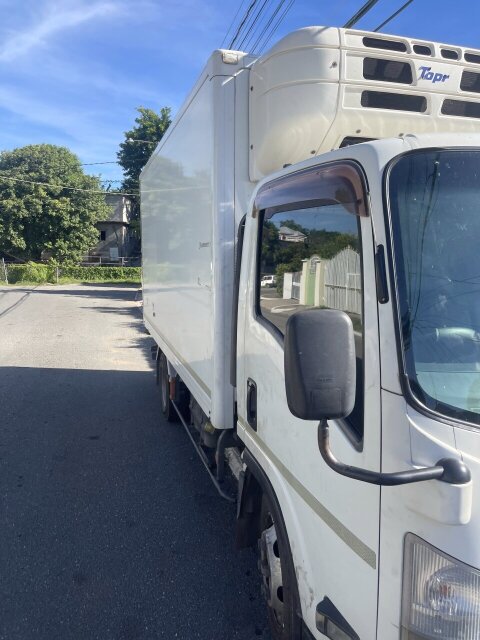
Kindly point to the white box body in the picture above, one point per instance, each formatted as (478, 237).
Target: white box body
(192, 192)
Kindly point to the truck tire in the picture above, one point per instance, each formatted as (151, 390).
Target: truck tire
(168, 409)
(278, 575)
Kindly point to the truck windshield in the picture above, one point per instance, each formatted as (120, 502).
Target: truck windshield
(434, 199)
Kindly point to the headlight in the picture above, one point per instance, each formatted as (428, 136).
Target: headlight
(441, 596)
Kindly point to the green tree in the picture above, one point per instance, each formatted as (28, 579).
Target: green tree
(139, 144)
(57, 215)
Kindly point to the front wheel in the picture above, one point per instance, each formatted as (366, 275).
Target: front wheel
(278, 575)
(168, 409)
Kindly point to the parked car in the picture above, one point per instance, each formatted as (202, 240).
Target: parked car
(268, 281)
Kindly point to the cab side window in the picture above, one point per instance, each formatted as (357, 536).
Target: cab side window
(311, 257)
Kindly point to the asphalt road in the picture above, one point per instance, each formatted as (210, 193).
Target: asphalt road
(276, 309)
(110, 528)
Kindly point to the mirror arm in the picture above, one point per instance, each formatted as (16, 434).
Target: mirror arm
(449, 470)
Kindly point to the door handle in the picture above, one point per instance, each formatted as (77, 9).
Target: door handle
(252, 403)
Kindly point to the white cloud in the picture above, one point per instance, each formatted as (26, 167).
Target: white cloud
(81, 89)
(73, 124)
(57, 18)
(82, 74)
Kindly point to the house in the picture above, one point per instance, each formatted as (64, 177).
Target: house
(115, 239)
(285, 234)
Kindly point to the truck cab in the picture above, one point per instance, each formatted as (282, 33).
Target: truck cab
(383, 224)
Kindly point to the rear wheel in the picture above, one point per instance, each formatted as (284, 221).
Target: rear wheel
(278, 575)
(168, 409)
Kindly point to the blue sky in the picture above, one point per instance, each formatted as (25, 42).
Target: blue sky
(73, 71)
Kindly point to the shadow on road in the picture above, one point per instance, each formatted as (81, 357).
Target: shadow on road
(94, 290)
(111, 529)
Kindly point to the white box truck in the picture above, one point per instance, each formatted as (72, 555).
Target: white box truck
(345, 166)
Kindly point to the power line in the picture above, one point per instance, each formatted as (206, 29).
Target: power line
(240, 6)
(360, 13)
(62, 186)
(256, 25)
(242, 23)
(279, 22)
(89, 164)
(251, 29)
(394, 15)
(254, 34)
(145, 141)
(267, 26)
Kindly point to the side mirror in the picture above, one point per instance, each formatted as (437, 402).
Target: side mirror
(320, 377)
(320, 367)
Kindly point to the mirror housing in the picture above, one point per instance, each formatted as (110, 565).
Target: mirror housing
(320, 365)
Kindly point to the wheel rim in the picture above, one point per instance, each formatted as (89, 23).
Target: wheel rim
(271, 568)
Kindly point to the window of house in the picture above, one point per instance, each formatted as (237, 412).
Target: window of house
(310, 256)
(103, 236)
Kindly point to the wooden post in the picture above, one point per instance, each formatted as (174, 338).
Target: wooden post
(4, 270)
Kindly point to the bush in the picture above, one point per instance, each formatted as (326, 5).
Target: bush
(92, 274)
(46, 273)
(30, 272)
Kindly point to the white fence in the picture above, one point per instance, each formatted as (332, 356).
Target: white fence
(343, 285)
(296, 280)
(105, 261)
(335, 283)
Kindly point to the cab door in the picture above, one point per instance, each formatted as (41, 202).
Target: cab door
(312, 232)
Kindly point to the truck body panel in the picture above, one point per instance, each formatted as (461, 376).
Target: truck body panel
(188, 228)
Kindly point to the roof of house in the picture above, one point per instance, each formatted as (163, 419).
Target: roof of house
(291, 232)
